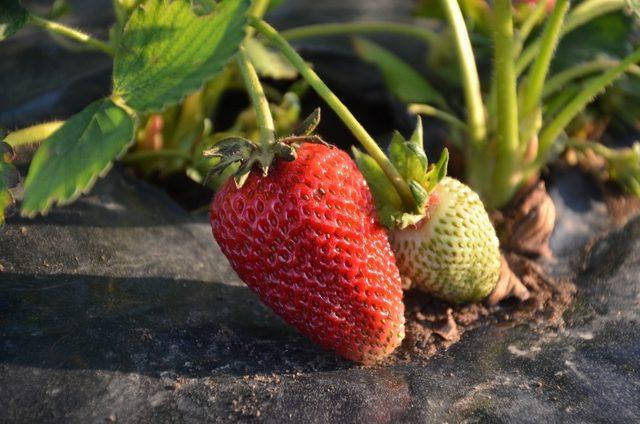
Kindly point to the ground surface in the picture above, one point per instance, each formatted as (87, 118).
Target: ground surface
(120, 307)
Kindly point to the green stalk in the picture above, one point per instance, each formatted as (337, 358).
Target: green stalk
(527, 26)
(259, 101)
(428, 110)
(74, 34)
(33, 134)
(598, 148)
(323, 30)
(538, 73)
(503, 186)
(469, 71)
(580, 15)
(575, 106)
(339, 108)
(259, 8)
(581, 70)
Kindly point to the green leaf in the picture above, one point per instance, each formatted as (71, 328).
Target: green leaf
(268, 62)
(387, 199)
(203, 7)
(608, 35)
(401, 79)
(167, 51)
(408, 157)
(12, 17)
(69, 161)
(9, 178)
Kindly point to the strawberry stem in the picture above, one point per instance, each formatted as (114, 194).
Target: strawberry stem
(33, 134)
(554, 128)
(339, 108)
(538, 72)
(74, 34)
(536, 15)
(506, 105)
(428, 36)
(580, 15)
(469, 71)
(264, 119)
(581, 70)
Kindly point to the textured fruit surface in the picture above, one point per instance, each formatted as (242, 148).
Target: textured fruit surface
(306, 239)
(453, 253)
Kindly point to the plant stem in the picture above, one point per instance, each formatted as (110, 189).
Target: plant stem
(582, 99)
(428, 36)
(74, 34)
(598, 148)
(423, 109)
(506, 105)
(580, 15)
(339, 108)
(259, 8)
(469, 71)
(561, 79)
(538, 73)
(259, 101)
(145, 155)
(527, 26)
(33, 134)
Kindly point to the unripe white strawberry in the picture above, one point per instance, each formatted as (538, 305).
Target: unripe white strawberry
(445, 244)
(453, 252)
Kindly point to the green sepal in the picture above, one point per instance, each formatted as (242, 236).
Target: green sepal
(408, 156)
(285, 151)
(231, 150)
(410, 159)
(437, 172)
(387, 200)
(309, 125)
(420, 194)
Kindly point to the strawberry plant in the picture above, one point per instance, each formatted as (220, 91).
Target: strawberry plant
(301, 222)
(517, 122)
(172, 65)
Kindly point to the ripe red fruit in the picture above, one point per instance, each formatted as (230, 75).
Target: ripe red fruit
(306, 239)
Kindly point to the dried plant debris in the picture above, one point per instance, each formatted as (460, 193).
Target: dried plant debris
(527, 227)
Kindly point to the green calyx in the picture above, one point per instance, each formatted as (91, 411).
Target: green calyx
(247, 154)
(411, 162)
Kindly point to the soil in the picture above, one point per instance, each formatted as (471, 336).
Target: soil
(433, 325)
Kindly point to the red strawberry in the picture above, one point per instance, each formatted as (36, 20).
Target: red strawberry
(306, 239)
